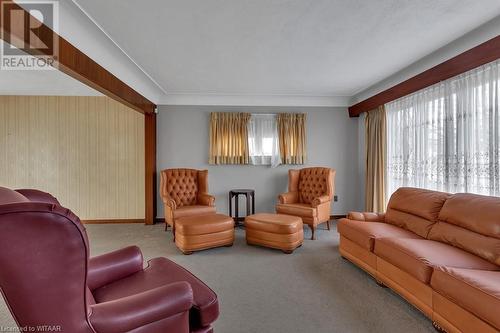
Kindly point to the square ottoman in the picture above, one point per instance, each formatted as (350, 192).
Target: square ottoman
(201, 232)
(277, 231)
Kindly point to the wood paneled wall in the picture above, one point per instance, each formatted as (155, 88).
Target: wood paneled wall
(86, 151)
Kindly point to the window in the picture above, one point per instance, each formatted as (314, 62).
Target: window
(259, 139)
(263, 144)
(447, 137)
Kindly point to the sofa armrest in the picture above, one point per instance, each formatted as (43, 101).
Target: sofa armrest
(366, 216)
(206, 199)
(319, 200)
(131, 312)
(288, 198)
(113, 266)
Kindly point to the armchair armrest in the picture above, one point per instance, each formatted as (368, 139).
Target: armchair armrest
(366, 216)
(131, 312)
(167, 200)
(319, 200)
(288, 197)
(206, 199)
(113, 266)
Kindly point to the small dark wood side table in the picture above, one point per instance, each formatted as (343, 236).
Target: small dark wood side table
(250, 196)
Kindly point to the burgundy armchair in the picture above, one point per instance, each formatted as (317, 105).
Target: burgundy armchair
(44, 256)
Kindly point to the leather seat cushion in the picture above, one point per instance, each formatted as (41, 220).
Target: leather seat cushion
(418, 257)
(203, 224)
(475, 290)
(193, 210)
(297, 209)
(274, 223)
(160, 272)
(364, 233)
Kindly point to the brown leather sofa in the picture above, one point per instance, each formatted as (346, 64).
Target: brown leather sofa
(185, 193)
(309, 196)
(439, 251)
(47, 277)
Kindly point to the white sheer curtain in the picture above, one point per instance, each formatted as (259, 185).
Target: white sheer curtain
(263, 142)
(447, 137)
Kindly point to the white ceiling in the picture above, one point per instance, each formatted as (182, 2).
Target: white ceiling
(281, 47)
(42, 82)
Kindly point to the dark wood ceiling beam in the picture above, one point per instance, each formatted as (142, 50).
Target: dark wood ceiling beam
(475, 57)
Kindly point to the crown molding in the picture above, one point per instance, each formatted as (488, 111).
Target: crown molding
(254, 100)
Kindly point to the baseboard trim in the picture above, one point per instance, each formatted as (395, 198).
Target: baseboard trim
(114, 221)
(332, 217)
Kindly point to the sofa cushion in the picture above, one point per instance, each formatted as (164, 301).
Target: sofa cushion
(186, 211)
(470, 222)
(296, 209)
(274, 223)
(415, 209)
(365, 233)
(160, 272)
(418, 257)
(477, 291)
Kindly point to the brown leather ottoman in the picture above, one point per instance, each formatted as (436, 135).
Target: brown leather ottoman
(282, 232)
(201, 232)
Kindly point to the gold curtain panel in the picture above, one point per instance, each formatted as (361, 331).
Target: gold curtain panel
(229, 138)
(375, 154)
(292, 137)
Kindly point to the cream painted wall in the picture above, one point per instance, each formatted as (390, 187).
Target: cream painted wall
(332, 141)
(86, 151)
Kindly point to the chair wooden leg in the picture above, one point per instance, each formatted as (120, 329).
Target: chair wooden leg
(166, 226)
(328, 224)
(313, 229)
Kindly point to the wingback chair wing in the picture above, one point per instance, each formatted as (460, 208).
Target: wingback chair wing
(47, 277)
(185, 193)
(309, 196)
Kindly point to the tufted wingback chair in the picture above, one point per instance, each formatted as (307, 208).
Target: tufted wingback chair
(309, 196)
(185, 193)
(47, 277)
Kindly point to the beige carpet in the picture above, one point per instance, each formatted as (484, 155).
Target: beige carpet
(265, 291)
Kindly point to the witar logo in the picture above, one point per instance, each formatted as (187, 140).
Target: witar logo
(27, 33)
